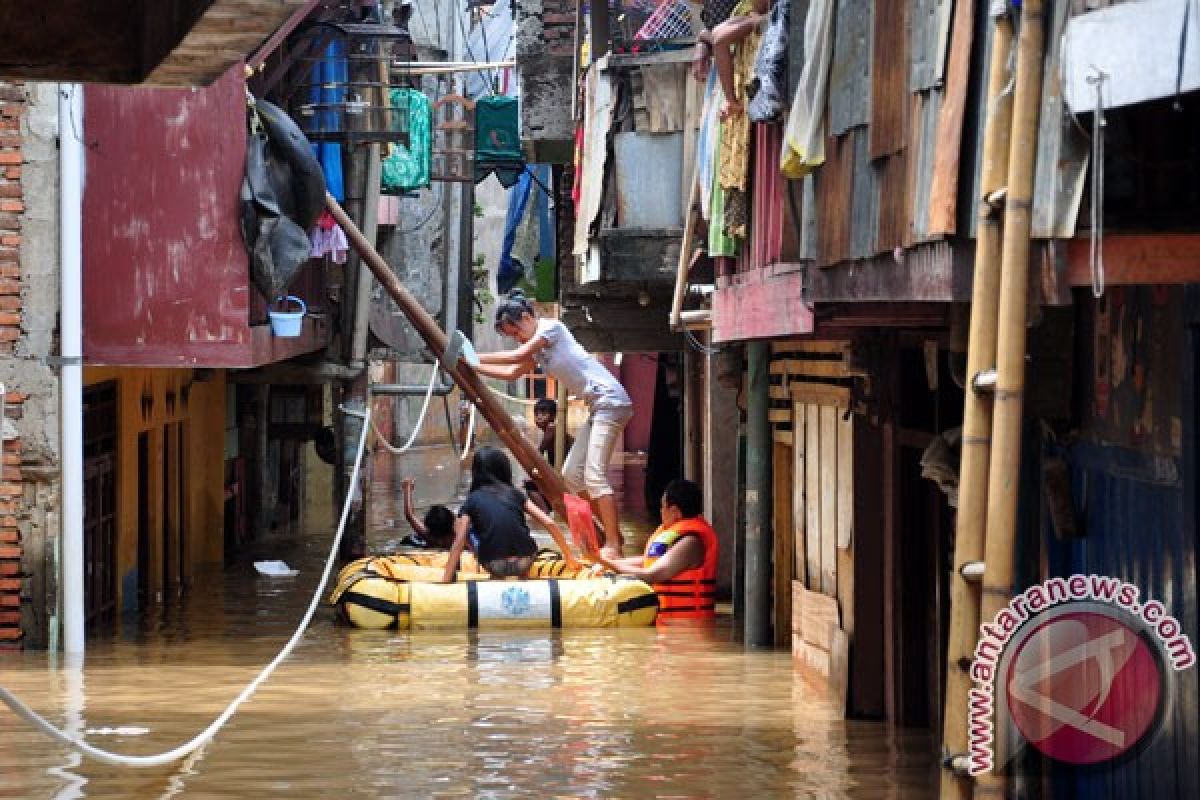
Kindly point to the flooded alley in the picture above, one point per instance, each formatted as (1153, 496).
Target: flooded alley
(587, 713)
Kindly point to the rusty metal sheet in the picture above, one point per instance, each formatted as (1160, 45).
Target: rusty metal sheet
(1062, 156)
(930, 36)
(834, 195)
(808, 219)
(850, 72)
(889, 78)
(796, 52)
(893, 201)
(923, 144)
(167, 278)
(864, 215)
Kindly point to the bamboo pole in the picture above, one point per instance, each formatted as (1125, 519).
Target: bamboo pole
(547, 478)
(1004, 471)
(977, 414)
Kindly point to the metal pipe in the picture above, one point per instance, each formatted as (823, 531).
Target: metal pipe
(440, 389)
(977, 411)
(757, 630)
(71, 177)
(365, 281)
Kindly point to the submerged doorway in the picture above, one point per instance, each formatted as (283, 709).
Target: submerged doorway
(100, 500)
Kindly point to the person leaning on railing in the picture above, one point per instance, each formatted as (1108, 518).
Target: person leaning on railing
(713, 14)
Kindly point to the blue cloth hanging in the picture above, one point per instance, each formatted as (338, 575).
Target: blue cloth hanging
(511, 271)
(329, 78)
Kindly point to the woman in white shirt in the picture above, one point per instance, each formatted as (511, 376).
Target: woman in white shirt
(547, 343)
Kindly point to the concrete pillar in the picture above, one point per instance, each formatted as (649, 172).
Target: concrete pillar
(757, 630)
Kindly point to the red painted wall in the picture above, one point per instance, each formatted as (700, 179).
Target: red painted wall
(639, 375)
(165, 273)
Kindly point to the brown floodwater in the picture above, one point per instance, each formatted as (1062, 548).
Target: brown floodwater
(587, 713)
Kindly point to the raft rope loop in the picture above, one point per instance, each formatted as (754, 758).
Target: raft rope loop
(204, 737)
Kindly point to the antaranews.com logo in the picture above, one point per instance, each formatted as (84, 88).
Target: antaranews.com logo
(1081, 665)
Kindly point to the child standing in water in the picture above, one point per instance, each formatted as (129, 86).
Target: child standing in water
(493, 517)
(547, 343)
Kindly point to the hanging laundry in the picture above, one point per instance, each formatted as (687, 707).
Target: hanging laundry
(497, 140)
(804, 136)
(733, 170)
(706, 143)
(768, 90)
(407, 166)
(328, 239)
(529, 233)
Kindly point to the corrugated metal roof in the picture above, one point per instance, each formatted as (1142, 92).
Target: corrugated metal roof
(834, 184)
(930, 31)
(850, 72)
(889, 78)
(864, 219)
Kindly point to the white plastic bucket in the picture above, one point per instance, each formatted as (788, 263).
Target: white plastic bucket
(287, 324)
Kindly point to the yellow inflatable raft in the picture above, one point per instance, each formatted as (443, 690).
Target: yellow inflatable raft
(403, 592)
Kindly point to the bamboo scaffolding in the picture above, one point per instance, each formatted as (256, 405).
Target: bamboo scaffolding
(1009, 402)
(547, 478)
(977, 414)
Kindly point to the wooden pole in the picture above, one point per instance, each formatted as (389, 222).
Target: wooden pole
(1004, 472)
(547, 478)
(977, 415)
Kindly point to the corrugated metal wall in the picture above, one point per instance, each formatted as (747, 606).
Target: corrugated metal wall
(1136, 530)
(1136, 509)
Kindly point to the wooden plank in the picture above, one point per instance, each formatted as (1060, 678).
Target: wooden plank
(811, 346)
(782, 437)
(814, 369)
(819, 618)
(828, 459)
(944, 188)
(779, 415)
(1138, 258)
(779, 392)
(812, 487)
(799, 476)
(782, 542)
(839, 670)
(845, 481)
(821, 394)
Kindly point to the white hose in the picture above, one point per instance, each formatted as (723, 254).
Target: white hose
(205, 736)
(470, 436)
(391, 448)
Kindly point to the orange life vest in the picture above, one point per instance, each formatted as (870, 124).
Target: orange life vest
(692, 593)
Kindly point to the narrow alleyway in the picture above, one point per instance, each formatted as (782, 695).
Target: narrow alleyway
(588, 713)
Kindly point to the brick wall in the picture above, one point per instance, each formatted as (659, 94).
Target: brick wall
(12, 205)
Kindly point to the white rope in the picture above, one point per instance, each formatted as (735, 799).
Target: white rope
(391, 448)
(1096, 242)
(205, 736)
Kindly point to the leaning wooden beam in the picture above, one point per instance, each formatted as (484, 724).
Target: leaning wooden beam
(547, 478)
(1005, 468)
(977, 417)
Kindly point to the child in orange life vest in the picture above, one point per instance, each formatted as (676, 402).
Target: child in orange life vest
(681, 557)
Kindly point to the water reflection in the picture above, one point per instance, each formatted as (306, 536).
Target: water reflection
(624, 713)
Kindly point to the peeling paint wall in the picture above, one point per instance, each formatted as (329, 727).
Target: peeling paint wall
(545, 60)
